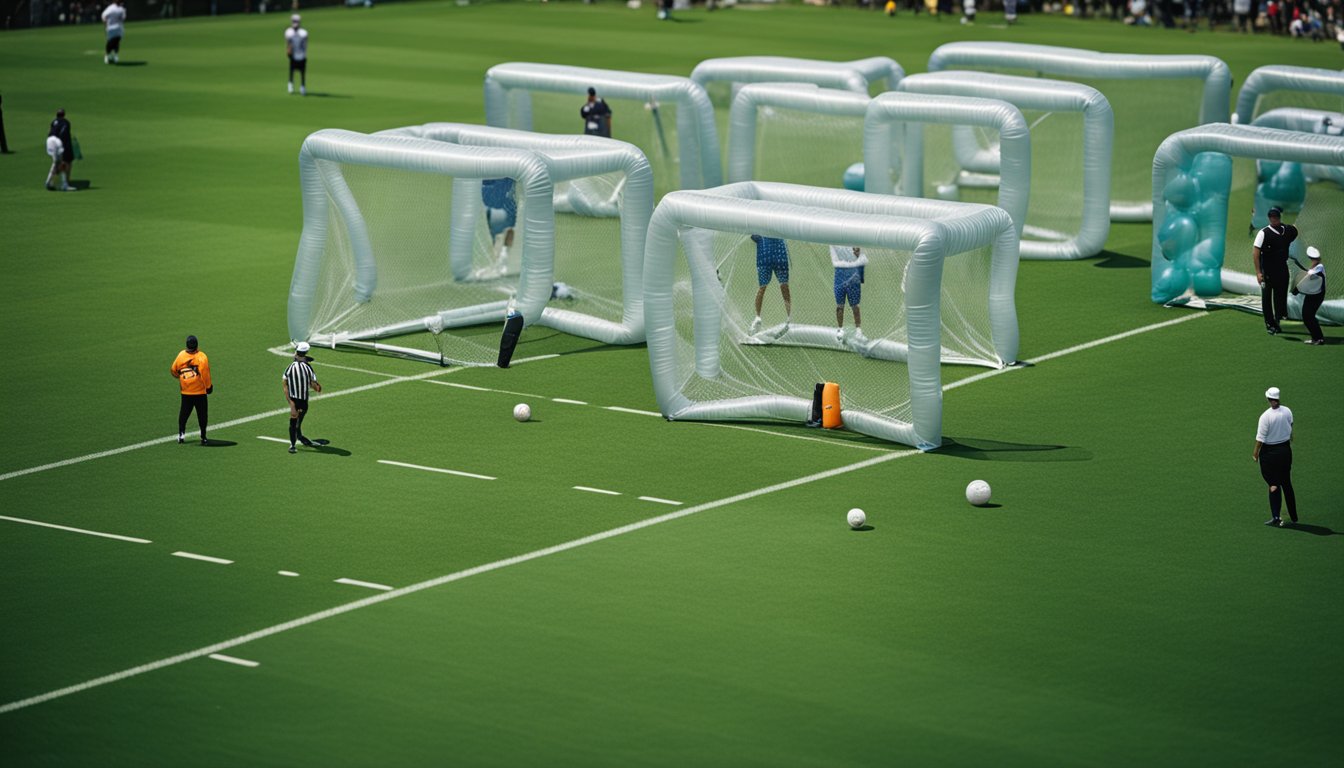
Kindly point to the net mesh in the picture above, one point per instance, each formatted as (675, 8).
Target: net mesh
(778, 359)
(806, 147)
(408, 216)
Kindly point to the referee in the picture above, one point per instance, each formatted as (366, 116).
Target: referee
(298, 378)
(1274, 452)
(1270, 255)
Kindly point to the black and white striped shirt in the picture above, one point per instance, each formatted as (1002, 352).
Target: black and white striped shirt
(298, 377)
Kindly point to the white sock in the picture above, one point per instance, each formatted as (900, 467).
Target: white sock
(65, 181)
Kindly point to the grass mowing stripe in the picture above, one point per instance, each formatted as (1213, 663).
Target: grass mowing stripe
(84, 531)
(441, 580)
(509, 561)
(243, 420)
(436, 469)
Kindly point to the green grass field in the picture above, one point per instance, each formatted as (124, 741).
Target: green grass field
(1121, 605)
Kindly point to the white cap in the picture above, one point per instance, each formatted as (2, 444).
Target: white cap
(1313, 252)
(302, 348)
(294, 18)
(1272, 393)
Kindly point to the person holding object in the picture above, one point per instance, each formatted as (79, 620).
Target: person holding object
(1312, 288)
(62, 151)
(1270, 254)
(1274, 452)
(772, 258)
(114, 18)
(297, 380)
(296, 48)
(849, 262)
(596, 115)
(192, 371)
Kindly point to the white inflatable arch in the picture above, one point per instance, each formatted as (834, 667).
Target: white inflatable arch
(1041, 95)
(856, 76)
(1278, 77)
(750, 99)
(1307, 121)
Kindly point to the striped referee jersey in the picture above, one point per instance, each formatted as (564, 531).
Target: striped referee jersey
(298, 377)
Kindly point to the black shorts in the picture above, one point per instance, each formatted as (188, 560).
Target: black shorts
(300, 65)
(301, 406)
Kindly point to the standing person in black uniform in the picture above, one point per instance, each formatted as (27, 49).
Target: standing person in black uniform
(1312, 288)
(4, 145)
(60, 128)
(296, 381)
(1274, 453)
(1270, 255)
(596, 115)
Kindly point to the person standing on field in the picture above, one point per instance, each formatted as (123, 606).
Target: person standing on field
(1270, 255)
(297, 380)
(596, 115)
(62, 156)
(296, 48)
(772, 258)
(114, 18)
(1312, 288)
(192, 371)
(849, 262)
(1274, 452)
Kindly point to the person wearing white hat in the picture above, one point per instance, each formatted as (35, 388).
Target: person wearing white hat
(1274, 453)
(1312, 288)
(297, 380)
(296, 48)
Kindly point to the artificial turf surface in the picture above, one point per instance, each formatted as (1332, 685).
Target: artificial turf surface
(1120, 605)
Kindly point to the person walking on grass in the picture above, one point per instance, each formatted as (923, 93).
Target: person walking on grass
(849, 263)
(1270, 256)
(1312, 288)
(192, 371)
(298, 379)
(1274, 452)
(61, 147)
(296, 48)
(772, 258)
(114, 18)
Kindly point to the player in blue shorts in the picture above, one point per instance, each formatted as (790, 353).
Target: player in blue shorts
(849, 262)
(501, 213)
(772, 258)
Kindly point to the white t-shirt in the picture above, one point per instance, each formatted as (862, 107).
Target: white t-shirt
(843, 256)
(298, 41)
(1276, 426)
(1313, 282)
(114, 16)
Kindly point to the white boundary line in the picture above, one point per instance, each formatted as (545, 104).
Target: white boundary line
(85, 531)
(596, 490)
(567, 401)
(657, 500)
(367, 584)
(636, 411)
(441, 580)
(506, 562)
(436, 469)
(234, 660)
(244, 420)
(205, 558)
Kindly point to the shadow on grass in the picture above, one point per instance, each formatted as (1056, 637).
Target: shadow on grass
(330, 450)
(132, 63)
(316, 95)
(863, 528)
(217, 443)
(83, 185)
(993, 450)
(1111, 260)
(1314, 530)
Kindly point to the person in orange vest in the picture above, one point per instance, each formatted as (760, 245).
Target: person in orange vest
(192, 371)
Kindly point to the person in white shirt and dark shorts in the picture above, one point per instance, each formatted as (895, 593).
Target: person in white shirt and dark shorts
(1312, 288)
(114, 18)
(296, 48)
(297, 380)
(1274, 453)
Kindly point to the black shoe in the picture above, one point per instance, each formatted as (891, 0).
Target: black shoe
(1274, 522)
(292, 449)
(204, 441)
(1273, 330)
(181, 438)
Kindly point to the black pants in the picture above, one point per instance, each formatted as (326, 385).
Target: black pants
(296, 423)
(113, 44)
(301, 66)
(1274, 294)
(1276, 467)
(1310, 303)
(201, 404)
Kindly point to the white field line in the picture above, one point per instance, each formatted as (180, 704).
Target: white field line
(657, 500)
(84, 531)
(564, 400)
(635, 411)
(366, 584)
(487, 389)
(205, 558)
(596, 490)
(287, 573)
(441, 580)
(244, 419)
(840, 443)
(234, 660)
(273, 439)
(436, 469)
(487, 567)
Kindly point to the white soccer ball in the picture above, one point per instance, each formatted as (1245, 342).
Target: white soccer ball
(856, 518)
(977, 492)
(522, 411)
